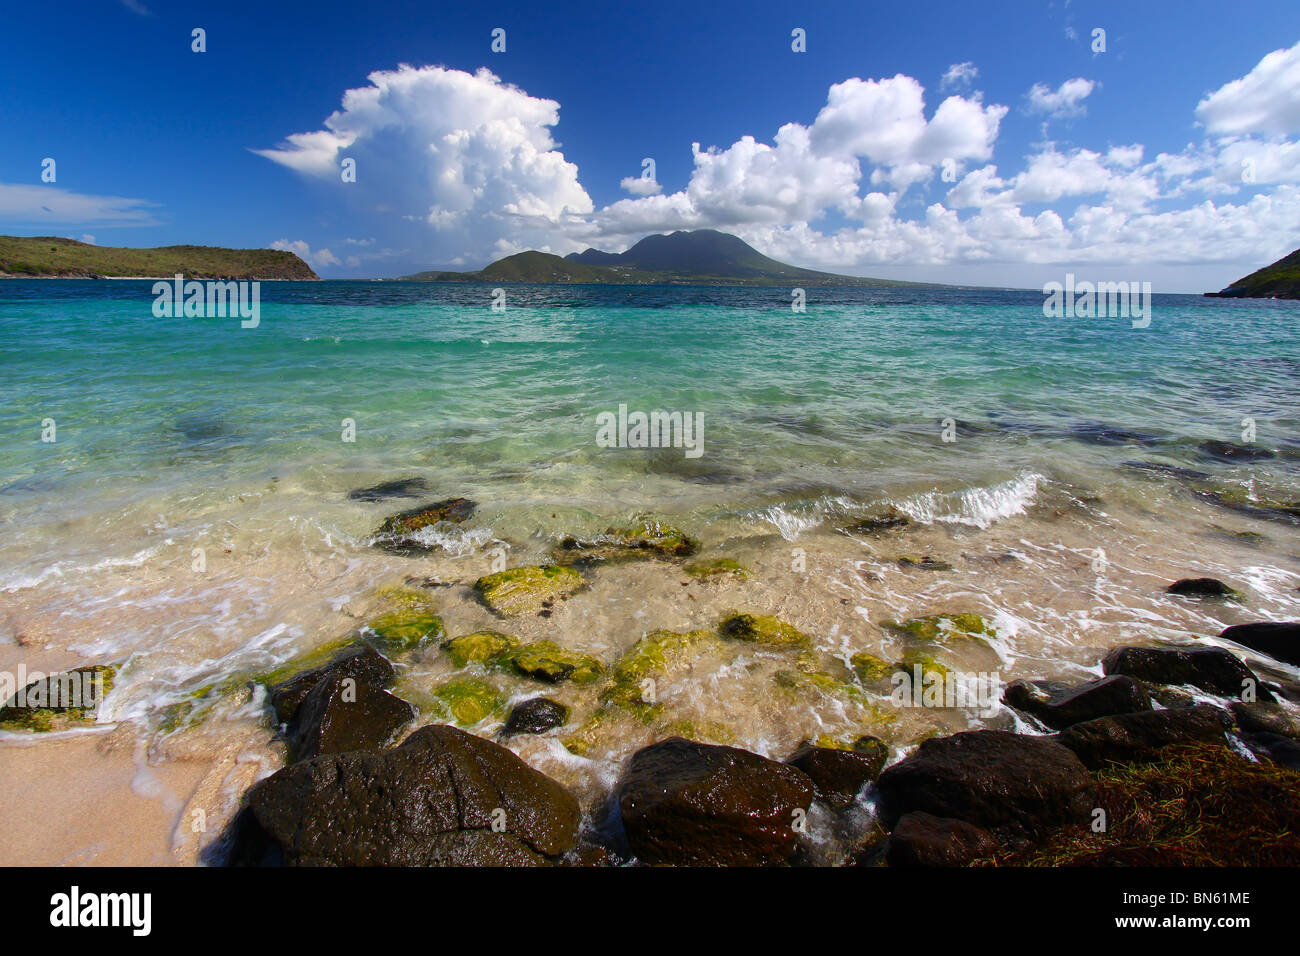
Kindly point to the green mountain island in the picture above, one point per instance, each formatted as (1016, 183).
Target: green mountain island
(700, 257)
(49, 257)
(1281, 280)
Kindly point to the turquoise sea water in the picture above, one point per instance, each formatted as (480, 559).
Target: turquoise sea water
(850, 395)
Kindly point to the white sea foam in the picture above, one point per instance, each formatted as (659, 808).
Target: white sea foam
(977, 507)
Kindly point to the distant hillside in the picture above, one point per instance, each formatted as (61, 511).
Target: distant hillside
(702, 257)
(1281, 280)
(49, 257)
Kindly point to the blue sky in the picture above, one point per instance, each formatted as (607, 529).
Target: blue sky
(1106, 169)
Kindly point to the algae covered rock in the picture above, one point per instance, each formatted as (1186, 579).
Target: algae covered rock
(441, 798)
(943, 628)
(400, 533)
(411, 487)
(923, 562)
(870, 668)
(407, 629)
(58, 701)
(484, 647)
(643, 540)
(529, 589)
(888, 520)
(717, 568)
(695, 804)
(549, 662)
(762, 629)
(467, 700)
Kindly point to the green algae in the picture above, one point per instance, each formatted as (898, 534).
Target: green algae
(870, 668)
(484, 647)
(644, 540)
(718, 567)
(549, 662)
(41, 714)
(467, 701)
(762, 629)
(406, 629)
(528, 589)
(943, 628)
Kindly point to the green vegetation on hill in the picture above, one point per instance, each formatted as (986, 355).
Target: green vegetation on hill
(36, 257)
(702, 257)
(1281, 280)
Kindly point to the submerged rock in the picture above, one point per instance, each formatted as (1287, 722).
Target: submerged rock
(922, 839)
(59, 701)
(535, 716)
(647, 539)
(1210, 668)
(407, 629)
(1139, 738)
(1254, 504)
(1058, 704)
(484, 647)
(943, 629)
(890, 520)
(1232, 452)
(694, 804)
(399, 532)
(923, 563)
(397, 488)
(442, 798)
(762, 629)
(870, 668)
(549, 662)
(467, 700)
(528, 590)
(1278, 639)
(718, 567)
(992, 779)
(1201, 587)
(839, 774)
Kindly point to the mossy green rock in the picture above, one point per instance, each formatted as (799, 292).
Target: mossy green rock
(943, 628)
(467, 700)
(718, 567)
(484, 647)
(870, 668)
(913, 658)
(549, 662)
(406, 630)
(529, 589)
(59, 701)
(762, 629)
(454, 510)
(651, 658)
(642, 540)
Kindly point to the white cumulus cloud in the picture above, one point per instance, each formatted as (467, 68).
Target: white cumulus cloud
(1065, 101)
(1265, 100)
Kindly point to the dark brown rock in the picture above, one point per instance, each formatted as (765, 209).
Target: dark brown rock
(364, 664)
(535, 716)
(1139, 738)
(1209, 668)
(838, 775)
(1281, 750)
(696, 804)
(433, 801)
(1278, 639)
(1059, 704)
(920, 839)
(1200, 587)
(992, 779)
(1268, 718)
(341, 714)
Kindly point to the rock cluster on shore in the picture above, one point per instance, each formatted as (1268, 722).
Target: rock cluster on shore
(1177, 753)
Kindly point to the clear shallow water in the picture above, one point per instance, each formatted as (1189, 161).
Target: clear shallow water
(195, 433)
